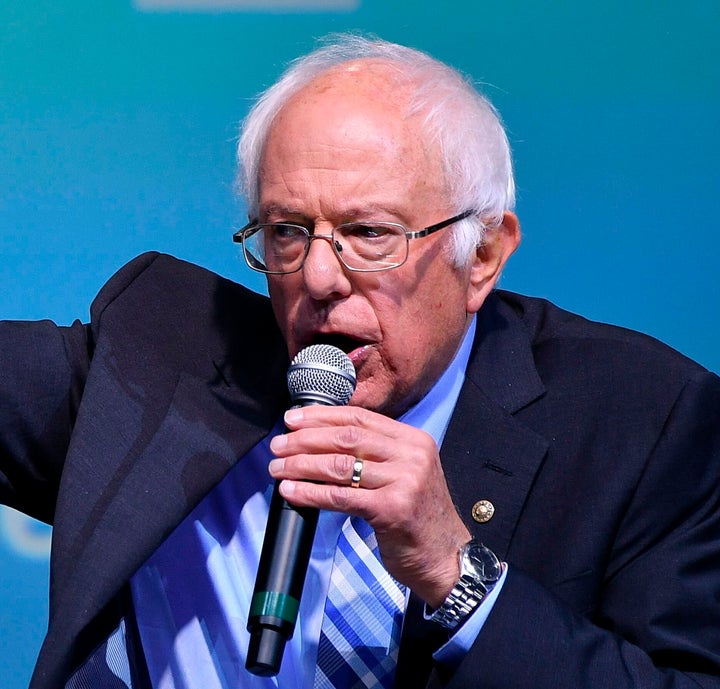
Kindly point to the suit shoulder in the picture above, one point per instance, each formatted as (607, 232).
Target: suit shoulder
(168, 307)
(168, 279)
(558, 334)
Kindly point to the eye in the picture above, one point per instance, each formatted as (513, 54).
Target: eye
(282, 232)
(367, 232)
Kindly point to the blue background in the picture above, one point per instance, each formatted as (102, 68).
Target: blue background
(117, 131)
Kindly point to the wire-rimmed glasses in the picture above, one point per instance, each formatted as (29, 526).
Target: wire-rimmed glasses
(364, 247)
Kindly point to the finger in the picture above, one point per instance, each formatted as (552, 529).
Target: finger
(333, 468)
(356, 501)
(319, 415)
(338, 469)
(405, 444)
(319, 440)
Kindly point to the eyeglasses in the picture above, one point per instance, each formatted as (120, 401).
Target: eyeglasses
(281, 248)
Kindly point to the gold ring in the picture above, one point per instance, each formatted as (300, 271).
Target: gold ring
(357, 473)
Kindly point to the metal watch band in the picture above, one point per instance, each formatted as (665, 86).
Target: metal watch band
(465, 596)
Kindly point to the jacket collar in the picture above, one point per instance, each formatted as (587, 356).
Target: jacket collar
(486, 442)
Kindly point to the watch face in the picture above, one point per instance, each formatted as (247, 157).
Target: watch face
(482, 562)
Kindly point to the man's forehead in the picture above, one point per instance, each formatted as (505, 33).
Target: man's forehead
(349, 126)
(370, 76)
(346, 107)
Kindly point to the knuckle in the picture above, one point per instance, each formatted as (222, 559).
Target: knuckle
(341, 466)
(349, 437)
(358, 415)
(414, 484)
(338, 497)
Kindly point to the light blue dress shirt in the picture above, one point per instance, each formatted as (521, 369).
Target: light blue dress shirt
(193, 595)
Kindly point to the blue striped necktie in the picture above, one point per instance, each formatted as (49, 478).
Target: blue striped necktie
(107, 667)
(364, 609)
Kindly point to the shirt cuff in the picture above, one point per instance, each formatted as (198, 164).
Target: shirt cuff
(455, 649)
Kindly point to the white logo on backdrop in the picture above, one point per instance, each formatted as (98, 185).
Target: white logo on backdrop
(25, 536)
(244, 5)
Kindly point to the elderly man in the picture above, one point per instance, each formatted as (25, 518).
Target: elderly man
(517, 497)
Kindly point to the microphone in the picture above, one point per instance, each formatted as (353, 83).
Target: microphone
(319, 374)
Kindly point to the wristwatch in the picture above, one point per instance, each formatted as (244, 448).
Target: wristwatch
(479, 572)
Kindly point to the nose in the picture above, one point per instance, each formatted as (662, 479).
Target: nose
(324, 276)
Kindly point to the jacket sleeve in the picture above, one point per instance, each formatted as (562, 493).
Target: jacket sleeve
(43, 368)
(656, 622)
(42, 373)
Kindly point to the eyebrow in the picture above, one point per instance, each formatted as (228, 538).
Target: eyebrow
(349, 214)
(276, 209)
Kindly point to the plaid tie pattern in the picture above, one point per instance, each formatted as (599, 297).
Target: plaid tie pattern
(361, 627)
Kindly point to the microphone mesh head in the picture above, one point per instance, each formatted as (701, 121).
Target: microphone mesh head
(321, 374)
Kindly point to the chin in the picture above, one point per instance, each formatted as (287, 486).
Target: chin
(378, 401)
(367, 399)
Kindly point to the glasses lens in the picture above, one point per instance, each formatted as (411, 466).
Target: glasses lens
(277, 248)
(376, 246)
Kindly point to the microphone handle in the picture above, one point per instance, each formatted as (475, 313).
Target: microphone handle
(281, 574)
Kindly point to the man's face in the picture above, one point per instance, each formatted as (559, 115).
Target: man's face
(342, 150)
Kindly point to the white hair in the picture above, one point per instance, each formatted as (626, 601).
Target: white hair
(455, 117)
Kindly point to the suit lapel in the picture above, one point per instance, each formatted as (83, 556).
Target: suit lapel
(487, 455)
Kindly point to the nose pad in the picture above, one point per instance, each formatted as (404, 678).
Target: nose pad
(326, 238)
(323, 271)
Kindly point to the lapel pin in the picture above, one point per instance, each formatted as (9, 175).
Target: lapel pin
(483, 511)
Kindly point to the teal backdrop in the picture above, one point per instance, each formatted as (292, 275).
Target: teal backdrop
(117, 128)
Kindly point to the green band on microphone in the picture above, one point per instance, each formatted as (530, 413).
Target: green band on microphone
(275, 604)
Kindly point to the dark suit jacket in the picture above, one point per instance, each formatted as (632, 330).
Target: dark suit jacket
(598, 447)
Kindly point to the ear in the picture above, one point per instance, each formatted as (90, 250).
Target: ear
(490, 258)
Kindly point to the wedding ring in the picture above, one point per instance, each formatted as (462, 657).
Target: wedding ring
(357, 473)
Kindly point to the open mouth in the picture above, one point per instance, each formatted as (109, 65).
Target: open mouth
(344, 342)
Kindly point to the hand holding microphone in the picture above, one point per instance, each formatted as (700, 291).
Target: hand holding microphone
(319, 374)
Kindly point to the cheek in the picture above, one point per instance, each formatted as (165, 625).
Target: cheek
(436, 309)
(408, 314)
(406, 340)
(431, 327)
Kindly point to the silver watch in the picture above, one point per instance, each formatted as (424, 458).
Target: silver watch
(479, 571)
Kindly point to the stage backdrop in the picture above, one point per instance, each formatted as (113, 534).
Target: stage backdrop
(118, 122)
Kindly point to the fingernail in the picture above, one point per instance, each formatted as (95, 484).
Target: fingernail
(276, 466)
(287, 488)
(293, 416)
(278, 443)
